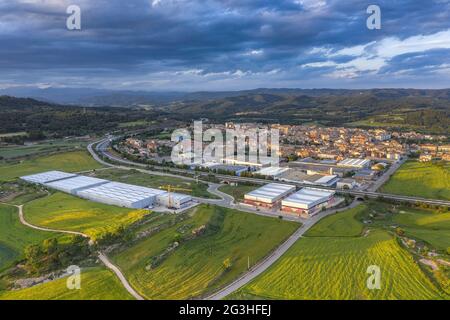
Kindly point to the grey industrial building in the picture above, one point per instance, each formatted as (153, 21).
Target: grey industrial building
(105, 191)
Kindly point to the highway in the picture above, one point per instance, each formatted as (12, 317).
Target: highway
(103, 145)
(224, 200)
(228, 201)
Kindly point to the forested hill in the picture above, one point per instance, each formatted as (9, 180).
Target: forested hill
(403, 109)
(8, 102)
(400, 108)
(41, 119)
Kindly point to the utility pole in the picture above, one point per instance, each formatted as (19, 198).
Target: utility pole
(248, 263)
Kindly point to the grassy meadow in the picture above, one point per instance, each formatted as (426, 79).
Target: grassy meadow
(96, 284)
(42, 148)
(197, 266)
(339, 225)
(67, 212)
(421, 179)
(237, 192)
(69, 161)
(428, 226)
(14, 237)
(331, 261)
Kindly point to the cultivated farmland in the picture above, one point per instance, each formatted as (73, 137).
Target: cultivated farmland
(427, 180)
(200, 261)
(96, 284)
(331, 263)
(70, 162)
(67, 212)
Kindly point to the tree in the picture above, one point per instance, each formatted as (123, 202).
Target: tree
(227, 264)
(400, 231)
(33, 254)
(49, 246)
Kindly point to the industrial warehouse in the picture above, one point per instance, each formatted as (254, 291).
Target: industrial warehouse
(46, 177)
(75, 184)
(268, 196)
(108, 192)
(305, 203)
(308, 202)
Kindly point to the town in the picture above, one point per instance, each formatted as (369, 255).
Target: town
(343, 158)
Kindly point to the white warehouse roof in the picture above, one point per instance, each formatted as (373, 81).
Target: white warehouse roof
(272, 171)
(307, 198)
(326, 180)
(49, 176)
(122, 194)
(270, 193)
(357, 163)
(105, 191)
(75, 184)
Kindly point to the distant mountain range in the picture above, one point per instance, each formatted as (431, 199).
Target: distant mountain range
(424, 110)
(121, 98)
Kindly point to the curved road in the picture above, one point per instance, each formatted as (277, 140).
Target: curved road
(104, 143)
(228, 201)
(264, 264)
(103, 258)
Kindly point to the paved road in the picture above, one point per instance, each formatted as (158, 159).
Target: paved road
(228, 201)
(103, 144)
(386, 176)
(103, 258)
(225, 200)
(263, 265)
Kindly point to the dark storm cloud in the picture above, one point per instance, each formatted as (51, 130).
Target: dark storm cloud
(212, 44)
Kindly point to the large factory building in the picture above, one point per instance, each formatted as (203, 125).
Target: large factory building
(112, 193)
(308, 202)
(268, 196)
(76, 184)
(122, 195)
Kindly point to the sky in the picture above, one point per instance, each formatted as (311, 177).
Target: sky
(216, 45)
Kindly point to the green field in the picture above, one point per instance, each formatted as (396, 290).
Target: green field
(70, 161)
(42, 148)
(339, 225)
(66, 212)
(427, 225)
(14, 237)
(197, 265)
(96, 284)
(331, 263)
(428, 180)
(384, 121)
(237, 192)
(154, 181)
(138, 123)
